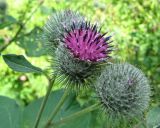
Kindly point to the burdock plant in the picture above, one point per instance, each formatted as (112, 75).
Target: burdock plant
(80, 53)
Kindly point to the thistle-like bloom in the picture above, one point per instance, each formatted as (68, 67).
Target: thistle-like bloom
(123, 90)
(86, 43)
(83, 51)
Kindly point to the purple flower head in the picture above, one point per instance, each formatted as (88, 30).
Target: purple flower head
(86, 43)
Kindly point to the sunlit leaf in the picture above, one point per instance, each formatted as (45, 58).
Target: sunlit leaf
(32, 43)
(8, 20)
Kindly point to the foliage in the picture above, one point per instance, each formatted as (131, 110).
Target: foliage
(137, 33)
(20, 64)
(25, 117)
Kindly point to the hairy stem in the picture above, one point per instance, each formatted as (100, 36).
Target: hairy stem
(51, 83)
(58, 107)
(20, 29)
(76, 115)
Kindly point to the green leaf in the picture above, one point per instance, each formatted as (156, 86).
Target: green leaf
(153, 118)
(46, 10)
(20, 64)
(9, 20)
(10, 113)
(70, 106)
(32, 43)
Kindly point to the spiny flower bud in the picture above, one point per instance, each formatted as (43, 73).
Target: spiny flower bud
(83, 52)
(123, 90)
(57, 24)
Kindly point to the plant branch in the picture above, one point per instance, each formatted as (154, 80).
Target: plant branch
(58, 107)
(51, 83)
(12, 39)
(76, 115)
(20, 29)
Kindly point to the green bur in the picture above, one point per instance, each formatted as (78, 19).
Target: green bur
(123, 90)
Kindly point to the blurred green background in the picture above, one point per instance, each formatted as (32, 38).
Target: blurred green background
(135, 25)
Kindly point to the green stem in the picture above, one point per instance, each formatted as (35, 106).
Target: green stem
(51, 82)
(76, 115)
(58, 107)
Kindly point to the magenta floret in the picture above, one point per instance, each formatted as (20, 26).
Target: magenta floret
(87, 44)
